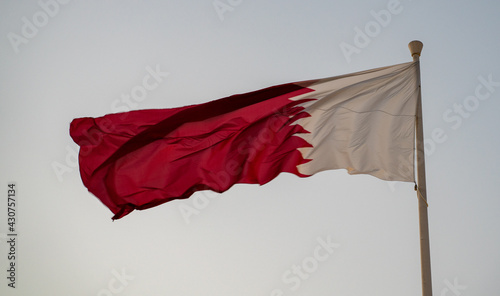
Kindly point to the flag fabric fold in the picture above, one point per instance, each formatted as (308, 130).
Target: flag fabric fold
(363, 122)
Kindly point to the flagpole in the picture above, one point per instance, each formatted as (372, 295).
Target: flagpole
(425, 256)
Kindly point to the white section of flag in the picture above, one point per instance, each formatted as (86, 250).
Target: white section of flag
(363, 122)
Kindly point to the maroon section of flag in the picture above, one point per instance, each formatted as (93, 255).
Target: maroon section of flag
(140, 159)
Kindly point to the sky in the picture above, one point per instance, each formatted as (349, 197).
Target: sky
(329, 234)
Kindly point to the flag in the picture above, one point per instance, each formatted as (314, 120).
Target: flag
(362, 122)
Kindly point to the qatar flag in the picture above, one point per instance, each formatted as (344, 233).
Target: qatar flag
(362, 122)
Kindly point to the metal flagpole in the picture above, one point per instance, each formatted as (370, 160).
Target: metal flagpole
(425, 256)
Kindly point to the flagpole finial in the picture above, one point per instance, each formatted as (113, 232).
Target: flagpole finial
(415, 49)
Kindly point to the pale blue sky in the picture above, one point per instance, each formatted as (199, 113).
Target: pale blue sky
(82, 58)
